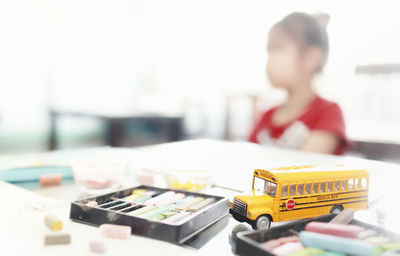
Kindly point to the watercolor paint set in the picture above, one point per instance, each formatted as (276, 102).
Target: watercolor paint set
(164, 214)
(321, 235)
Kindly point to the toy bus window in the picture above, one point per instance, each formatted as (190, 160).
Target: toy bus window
(357, 184)
(315, 188)
(300, 189)
(292, 190)
(344, 184)
(259, 184)
(307, 189)
(330, 186)
(364, 183)
(270, 188)
(322, 188)
(337, 185)
(351, 184)
(284, 190)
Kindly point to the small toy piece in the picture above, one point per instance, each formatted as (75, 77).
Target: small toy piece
(51, 179)
(115, 231)
(98, 246)
(57, 238)
(52, 222)
(300, 192)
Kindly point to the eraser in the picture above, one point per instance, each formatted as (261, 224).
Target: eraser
(52, 222)
(350, 231)
(344, 217)
(336, 244)
(288, 248)
(50, 179)
(115, 231)
(98, 246)
(57, 238)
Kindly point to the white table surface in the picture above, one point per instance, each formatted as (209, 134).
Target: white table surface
(22, 211)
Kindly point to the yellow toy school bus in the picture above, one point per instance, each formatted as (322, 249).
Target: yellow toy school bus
(300, 192)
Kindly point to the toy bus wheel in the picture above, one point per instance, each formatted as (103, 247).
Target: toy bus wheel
(336, 209)
(262, 222)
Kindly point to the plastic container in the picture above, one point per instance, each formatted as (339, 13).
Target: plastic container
(98, 175)
(188, 179)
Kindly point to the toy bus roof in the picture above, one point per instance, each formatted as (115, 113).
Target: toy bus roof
(304, 173)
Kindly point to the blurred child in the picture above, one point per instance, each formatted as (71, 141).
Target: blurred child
(297, 51)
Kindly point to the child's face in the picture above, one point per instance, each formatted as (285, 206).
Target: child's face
(284, 63)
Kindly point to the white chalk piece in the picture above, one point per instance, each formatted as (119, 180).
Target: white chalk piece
(57, 238)
(201, 204)
(367, 233)
(344, 217)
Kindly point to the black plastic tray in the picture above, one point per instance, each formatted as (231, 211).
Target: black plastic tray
(175, 233)
(248, 243)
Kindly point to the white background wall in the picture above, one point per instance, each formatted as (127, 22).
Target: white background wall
(152, 55)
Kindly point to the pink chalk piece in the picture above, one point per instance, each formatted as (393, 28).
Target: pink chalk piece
(288, 248)
(176, 217)
(115, 231)
(95, 184)
(287, 239)
(50, 179)
(92, 203)
(145, 178)
(98, 246)
(170, 200)
(271, 244)
(160, 198)
(335, 229)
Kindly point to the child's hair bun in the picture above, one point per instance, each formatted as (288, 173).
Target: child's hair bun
(322, 19)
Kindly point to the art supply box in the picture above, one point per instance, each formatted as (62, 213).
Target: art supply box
(112, 209)
(248, 243)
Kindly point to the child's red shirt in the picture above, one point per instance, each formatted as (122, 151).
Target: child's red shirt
(321, 115)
